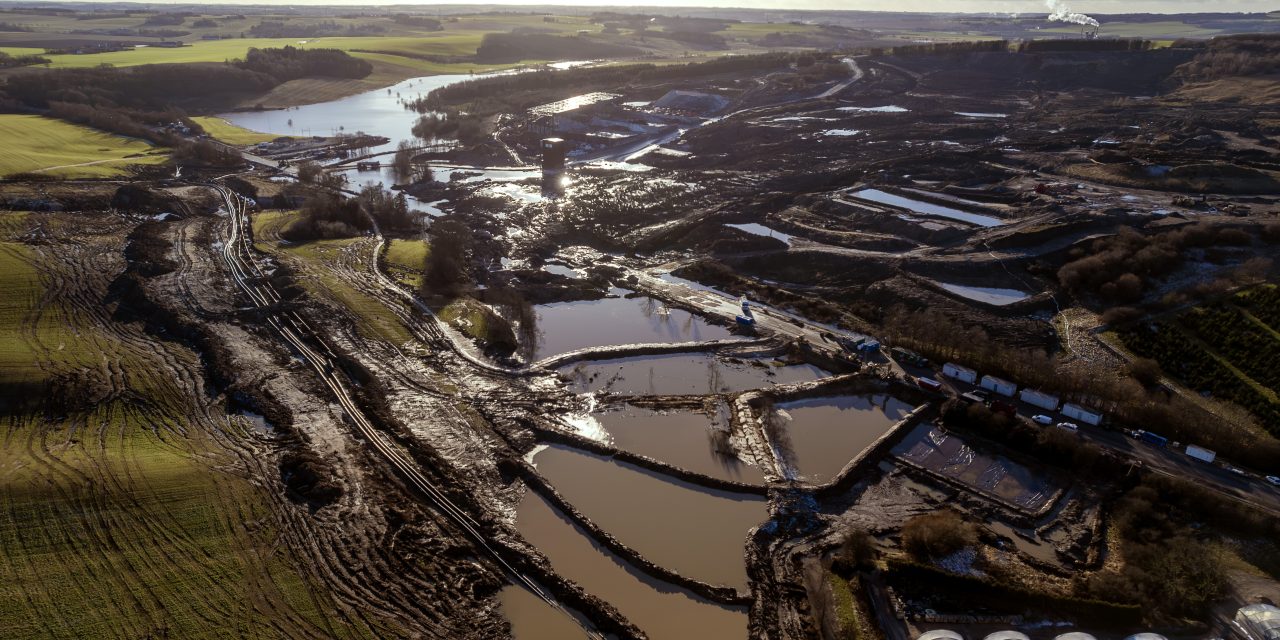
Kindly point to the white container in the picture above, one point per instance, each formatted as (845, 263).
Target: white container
(957, 372)
(1039, 399)
(997, 385)
(1077, 412)
(1200, 453)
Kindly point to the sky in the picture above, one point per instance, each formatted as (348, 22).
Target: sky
(966, 6)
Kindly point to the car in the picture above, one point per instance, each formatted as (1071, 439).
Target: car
(1237, 470)
(1069, 426)
(1275, 480)
(1042, 419)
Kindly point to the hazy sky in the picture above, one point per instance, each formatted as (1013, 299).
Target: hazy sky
(969, 6)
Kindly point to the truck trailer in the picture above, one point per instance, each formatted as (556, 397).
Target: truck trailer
(998, 385)
(1039, 399)
(1077, 412)
(1200, 453)
(957, 372)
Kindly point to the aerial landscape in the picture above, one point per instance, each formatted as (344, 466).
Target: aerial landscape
(539, 322)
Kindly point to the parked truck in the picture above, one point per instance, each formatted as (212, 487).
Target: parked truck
(910, 357)
(1200, 453)
(1039, 399)
(1153, 438)
(1077, 412)
(998, 385)
(957, 372)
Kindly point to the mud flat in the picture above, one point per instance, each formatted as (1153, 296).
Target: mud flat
(678, 437)
(697, 532)
(925, 208)
(662, 610)
(825, 433)
(684, 374)
(569, 326)
(995, 477)
(989, 295)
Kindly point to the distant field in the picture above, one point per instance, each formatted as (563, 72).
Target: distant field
(44, 145)
(229, 133)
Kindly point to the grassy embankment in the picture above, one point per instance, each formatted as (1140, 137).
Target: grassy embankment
(34, 144)
(318, 263)
(220, 129)
(122, 515)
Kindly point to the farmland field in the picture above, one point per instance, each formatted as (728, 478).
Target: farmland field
(229, 133)
(121, 515)
(44, 145)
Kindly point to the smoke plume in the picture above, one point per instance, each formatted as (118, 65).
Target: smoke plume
(1058, 12)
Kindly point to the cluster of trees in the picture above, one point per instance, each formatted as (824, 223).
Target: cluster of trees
(165, 19)
(451, 125)
(290, 63)
(448, 267)
(522, 90)
(1119, 269)
(9, 26)
(418, 22)
(936, 535)
(206, 153)
(406, 170)
(327, 216)
(391, 212)
(936, 48)
(1077, 45)
(281, 29)
(1241, 55)
(204, 23)
(7, 60)
(513, 47)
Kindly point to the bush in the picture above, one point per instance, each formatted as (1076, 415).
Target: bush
(937, 535)
(1146, 371)
(449, 263)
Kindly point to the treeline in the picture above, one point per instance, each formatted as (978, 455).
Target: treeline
(327, 215)
(1121, 268)
(522, 90)
(450, 125)
(419, 22)
(1242, 55)
(291, 63)
(280, 29)
(9, 26)
(8, 61)
(948, 48)
(513, 47)
(1080, 44)
(1121, 397)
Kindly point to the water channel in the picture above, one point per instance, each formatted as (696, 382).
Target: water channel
(685, 374)
(617, 320)
(680, 437)
(826, 433)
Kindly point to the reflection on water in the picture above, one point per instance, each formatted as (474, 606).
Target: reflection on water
(684, 438)
(826, 433)
(380, 112)
(698, 532)
(684, 374)
(664, 611)
(533, 619)
(919, 206)
(568, 326)
(989, 295)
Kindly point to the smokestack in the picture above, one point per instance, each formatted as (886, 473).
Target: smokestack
(1058, 12)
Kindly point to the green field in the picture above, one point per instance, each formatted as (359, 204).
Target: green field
(122, 514)
(405, 260)
(45, 145)
(220, 129)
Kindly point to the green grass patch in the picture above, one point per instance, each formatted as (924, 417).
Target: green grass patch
(229, 133)
(405, 260)
(45, 145)
(846, 608)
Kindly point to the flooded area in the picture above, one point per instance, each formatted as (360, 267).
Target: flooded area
(532, 618)
(926, 208)
(569, 326)
(761, 230)
(664, 611)
(891, 108)
(697, 532)
(826, 433)
(379, 113)
(1039, 550)
(678, 437)
(948, 455)
(685, 374)
(989, 295)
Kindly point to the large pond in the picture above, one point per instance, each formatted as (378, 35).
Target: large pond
(824, 434)
(380, 112)
(926, 208)
(618, 320)
(681, 437)
(990, 295)
(700, 533)
(949, 455)
(685, 374)
(532, 618)
(664, 611)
